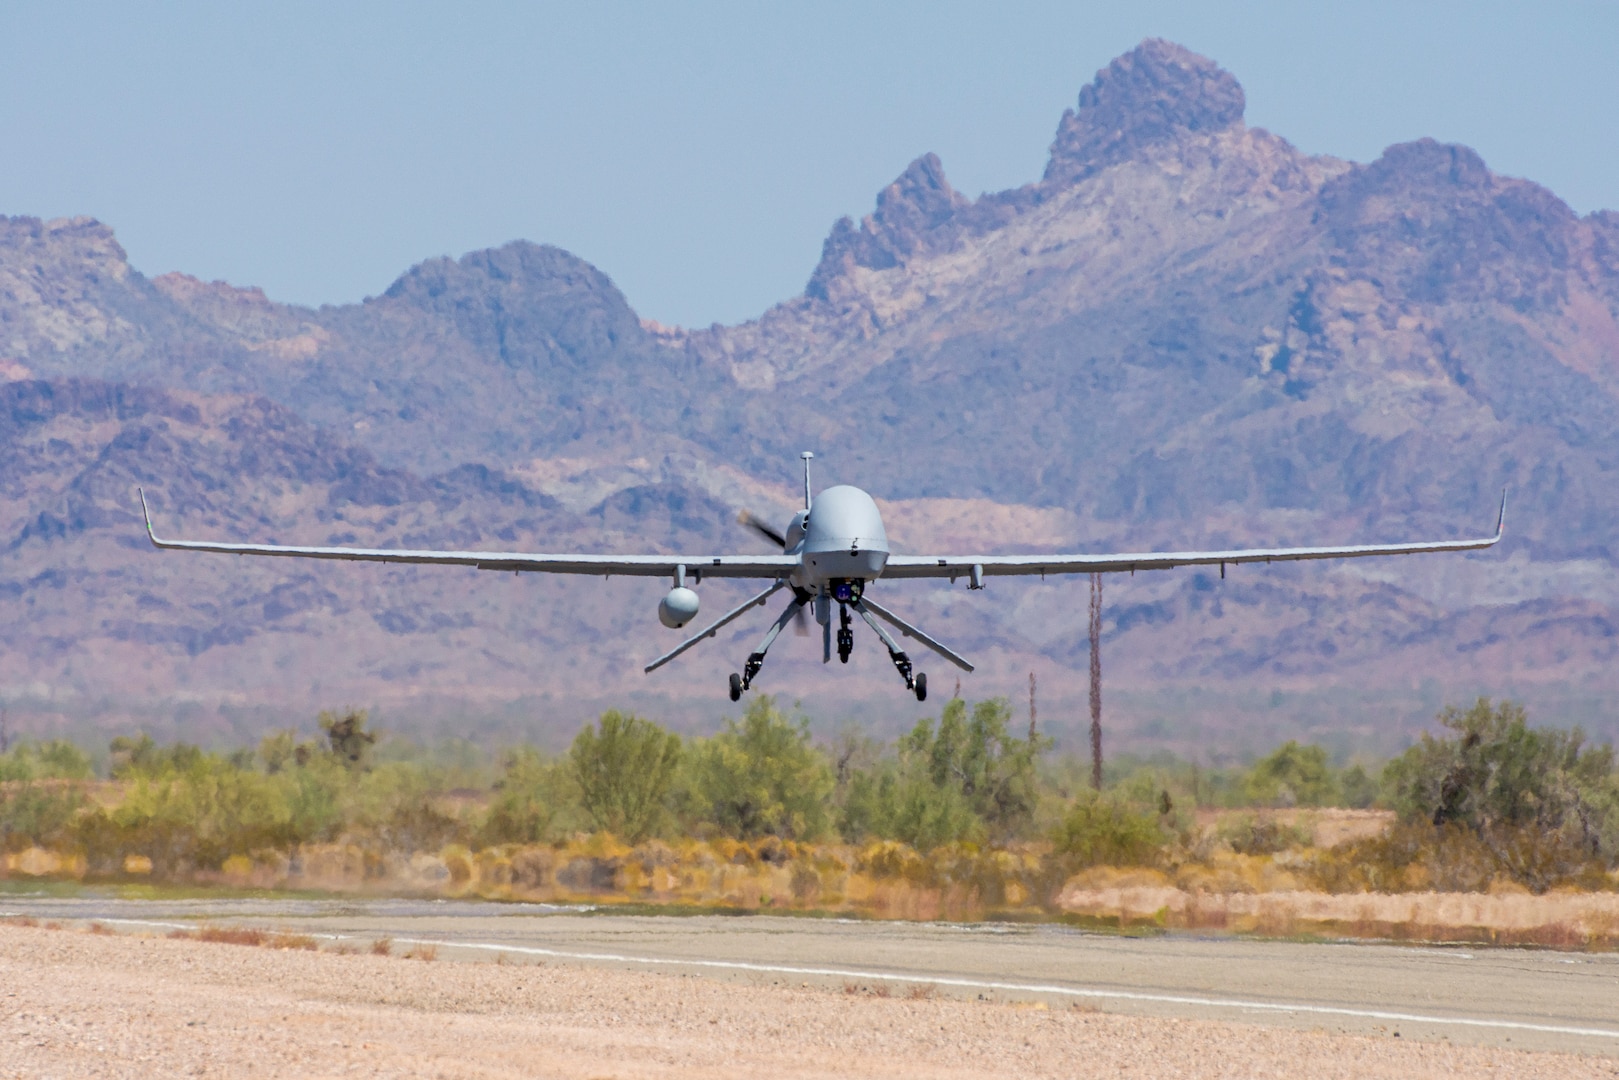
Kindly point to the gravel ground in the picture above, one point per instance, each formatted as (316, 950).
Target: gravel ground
(75, 1004)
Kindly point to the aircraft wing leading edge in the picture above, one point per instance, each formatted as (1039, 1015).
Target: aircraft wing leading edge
(726, 566)
(927, 566)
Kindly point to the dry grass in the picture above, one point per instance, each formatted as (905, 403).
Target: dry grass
(97, 928)
(423, 952)
(383, 946)
(227, 935)
(293, 941)
(248, 936)
(923, 992)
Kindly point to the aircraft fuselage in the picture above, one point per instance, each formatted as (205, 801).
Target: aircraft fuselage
(839, 540)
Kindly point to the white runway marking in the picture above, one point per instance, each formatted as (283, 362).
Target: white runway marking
(1236, 1004)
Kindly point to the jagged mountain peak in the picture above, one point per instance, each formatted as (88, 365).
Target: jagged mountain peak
(82, 231)
(1155, 92)
(910, 212)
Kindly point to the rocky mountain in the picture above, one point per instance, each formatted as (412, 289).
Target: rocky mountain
(1184, 332)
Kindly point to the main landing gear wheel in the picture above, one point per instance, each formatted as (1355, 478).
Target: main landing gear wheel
(736, 687)
(921, 686)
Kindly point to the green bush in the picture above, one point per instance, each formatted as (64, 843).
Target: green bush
(965, 780)
(37, 813)
(393, 806)
(531, 801)
(624, 767)
(142, 756)
(1357, 787)
(901, 801)
(993, 773)
(56, 759)
(1103, 830)
(762, 777)
(1292, 775)
(194, 810)
(1541, 802)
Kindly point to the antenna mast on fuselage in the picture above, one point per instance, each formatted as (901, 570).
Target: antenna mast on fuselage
(806, 455)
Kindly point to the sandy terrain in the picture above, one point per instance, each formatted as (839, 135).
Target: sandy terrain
(78, 1004)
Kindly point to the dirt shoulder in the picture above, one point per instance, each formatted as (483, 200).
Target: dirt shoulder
(74, 1004)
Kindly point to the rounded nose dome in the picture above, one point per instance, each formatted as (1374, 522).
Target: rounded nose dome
(848, 513)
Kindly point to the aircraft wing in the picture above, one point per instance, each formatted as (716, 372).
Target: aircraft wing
(928, 566)
(727, 566)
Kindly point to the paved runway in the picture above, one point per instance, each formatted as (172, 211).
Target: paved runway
(1522, 998)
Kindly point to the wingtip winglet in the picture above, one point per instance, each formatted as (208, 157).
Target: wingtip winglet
(1501, 518)
(147, 515)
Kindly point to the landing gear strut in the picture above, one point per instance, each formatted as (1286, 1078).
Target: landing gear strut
(917, 684)
(915, 681)
(756, 659)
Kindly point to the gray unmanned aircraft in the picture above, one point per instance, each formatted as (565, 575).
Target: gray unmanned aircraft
(830, 552)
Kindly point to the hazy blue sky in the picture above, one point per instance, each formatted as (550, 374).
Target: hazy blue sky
(698, 154)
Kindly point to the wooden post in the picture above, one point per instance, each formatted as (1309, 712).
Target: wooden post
(1096, 681)
(1031, 708)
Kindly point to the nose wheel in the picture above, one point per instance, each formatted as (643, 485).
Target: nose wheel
(845, 634)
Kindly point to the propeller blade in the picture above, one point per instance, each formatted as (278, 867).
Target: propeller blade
(801, 622)
(758, 525)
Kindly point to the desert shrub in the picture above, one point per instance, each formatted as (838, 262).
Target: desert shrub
(281, 750)
(533, 800)
(624, 767)
(761, 776)
(132, 757)
(1420, 856)
(965, 780)
(994, 772)
(393, 806)
(1103, 830)
(55, 759)
(1542, 802)
(1292, 775)
(190, 809)
(313, 794)
(899, 800)
(1251, 834)
(347, 738)
(37, 813)
(1357, 787)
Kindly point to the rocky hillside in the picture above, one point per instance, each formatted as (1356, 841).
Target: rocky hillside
(1184, 332)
